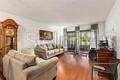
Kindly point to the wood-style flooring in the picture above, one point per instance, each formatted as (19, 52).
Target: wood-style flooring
(74, 67)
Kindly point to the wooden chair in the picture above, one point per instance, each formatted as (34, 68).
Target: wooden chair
(105, 63)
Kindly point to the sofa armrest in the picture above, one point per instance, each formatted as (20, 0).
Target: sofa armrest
(40, 53)
(48, 62)
(19, 64)
(17, 69)
(32, 72)
(42, 66)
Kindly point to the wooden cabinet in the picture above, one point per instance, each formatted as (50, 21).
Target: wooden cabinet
(1, 39)
(105, 55)
(8, 36)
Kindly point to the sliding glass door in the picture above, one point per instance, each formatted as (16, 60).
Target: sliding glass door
(71, 40)
(84, 40)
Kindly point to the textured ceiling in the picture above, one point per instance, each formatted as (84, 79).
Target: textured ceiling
(59, 11)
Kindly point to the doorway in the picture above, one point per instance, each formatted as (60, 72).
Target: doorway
(84, 40)
(81, 40)
(71, 40)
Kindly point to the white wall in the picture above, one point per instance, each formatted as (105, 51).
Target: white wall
(101, 31)
(28, 32)
(112, 28)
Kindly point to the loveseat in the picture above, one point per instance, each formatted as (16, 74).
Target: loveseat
(49, 50)
(19, 66)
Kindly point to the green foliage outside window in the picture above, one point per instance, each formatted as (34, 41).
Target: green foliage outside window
(85, 39)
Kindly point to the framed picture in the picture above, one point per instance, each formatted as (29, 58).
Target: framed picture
(45, 35)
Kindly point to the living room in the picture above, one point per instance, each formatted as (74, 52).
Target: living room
(59, 40)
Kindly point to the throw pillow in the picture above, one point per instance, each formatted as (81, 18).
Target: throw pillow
(29, 60)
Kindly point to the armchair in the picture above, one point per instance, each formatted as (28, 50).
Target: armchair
(22, 67)
(106, 69)
(43, 70)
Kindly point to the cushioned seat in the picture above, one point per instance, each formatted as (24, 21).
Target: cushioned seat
(56, 50)
(46, 51)
(61, 49)
(20, 66)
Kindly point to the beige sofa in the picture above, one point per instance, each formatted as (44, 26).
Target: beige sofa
(48, 50)
(19, 66)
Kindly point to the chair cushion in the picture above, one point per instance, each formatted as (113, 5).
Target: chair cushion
(28, 59)
(99, 67)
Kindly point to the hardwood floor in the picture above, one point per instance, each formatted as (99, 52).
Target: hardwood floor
(74, 67)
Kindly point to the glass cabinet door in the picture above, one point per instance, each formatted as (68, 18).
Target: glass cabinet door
(1, 42)
(10, 36)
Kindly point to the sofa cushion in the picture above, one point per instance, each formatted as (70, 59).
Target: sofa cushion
(61, 49)
(42, 46)
(29, 51)
(56, 50)
(39, 50)
(28, 59)
(57, 46)
(50, 47)
(12, 53)
(60, 46)
(54, 46)
(50, 52)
